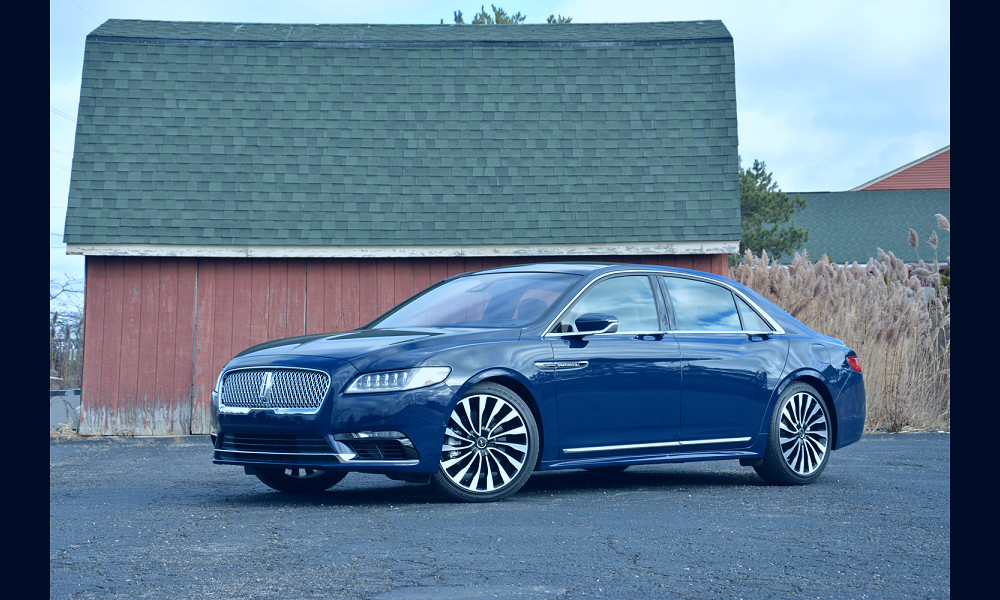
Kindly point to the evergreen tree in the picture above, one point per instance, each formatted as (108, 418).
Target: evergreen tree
(765, 212)
(500, 17)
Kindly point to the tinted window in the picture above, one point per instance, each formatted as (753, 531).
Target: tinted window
(630, 299)
(486, 300)
(751, 320)
(702, 306)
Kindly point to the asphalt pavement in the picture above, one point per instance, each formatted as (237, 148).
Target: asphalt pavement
(154, 518)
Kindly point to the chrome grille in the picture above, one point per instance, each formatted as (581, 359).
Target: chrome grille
(278, 388)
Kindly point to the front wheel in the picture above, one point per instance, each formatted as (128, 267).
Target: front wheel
(798, 444)
(300, 480)
(490, 446)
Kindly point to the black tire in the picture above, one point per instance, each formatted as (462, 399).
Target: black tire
(799, 441)
(300, 480)
(490, 446)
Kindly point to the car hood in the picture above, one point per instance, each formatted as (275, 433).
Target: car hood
(366, 347)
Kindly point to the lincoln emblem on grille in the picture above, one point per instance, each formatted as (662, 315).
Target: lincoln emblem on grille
(265, 389)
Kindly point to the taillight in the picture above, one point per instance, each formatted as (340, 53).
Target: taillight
(854, 362)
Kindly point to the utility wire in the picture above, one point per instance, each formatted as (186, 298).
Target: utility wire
(60, 113)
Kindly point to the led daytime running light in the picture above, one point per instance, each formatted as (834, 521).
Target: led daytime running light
(395, 381)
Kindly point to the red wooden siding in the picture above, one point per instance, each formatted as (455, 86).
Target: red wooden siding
(931, 174)
(138, 337)
(157, 331)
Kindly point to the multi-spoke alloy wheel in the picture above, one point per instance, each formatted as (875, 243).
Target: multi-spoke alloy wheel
(799, 442)
(299, 480)
(490, 445)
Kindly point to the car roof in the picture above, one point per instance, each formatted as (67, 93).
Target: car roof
(588, 267)
(594, 268)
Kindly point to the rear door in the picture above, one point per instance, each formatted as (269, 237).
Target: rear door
(732, 359)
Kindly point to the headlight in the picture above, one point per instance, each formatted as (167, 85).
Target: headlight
(217, 392)
(397, 381)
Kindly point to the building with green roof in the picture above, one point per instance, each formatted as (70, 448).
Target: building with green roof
(238, 182)
(853, 226)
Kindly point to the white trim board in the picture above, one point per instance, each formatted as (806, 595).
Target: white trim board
(237, 251)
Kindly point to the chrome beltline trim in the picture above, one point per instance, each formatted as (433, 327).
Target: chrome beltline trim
(655, 445)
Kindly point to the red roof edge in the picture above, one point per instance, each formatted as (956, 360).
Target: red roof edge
(931, 172)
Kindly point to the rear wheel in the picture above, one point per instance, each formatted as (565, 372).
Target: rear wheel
(490, 446)
(798, 445)
(298, 480)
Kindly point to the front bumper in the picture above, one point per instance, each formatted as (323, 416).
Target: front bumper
(357, 449)
(376, 433)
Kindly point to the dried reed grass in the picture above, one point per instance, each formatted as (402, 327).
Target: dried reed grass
(64, 432)
(897, 319)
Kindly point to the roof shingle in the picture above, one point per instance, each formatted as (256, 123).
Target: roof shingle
(355, 135)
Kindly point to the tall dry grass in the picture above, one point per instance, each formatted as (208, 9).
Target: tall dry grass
(897, 319)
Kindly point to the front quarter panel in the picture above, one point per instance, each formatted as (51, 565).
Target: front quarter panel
(511, 363)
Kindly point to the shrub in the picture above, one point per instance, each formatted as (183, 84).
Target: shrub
(897, 319)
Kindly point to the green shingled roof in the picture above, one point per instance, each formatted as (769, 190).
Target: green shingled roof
(355, 135)
(852, 226)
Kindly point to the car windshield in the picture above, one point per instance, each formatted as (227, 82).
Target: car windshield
(484, 300)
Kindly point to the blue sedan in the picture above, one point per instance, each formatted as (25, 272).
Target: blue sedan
(486, 377)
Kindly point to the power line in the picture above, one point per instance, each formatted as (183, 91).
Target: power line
(60, 113)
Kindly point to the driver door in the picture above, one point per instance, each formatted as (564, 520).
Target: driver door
(618, 393)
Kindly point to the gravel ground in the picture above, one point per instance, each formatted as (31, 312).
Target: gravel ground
(154, 518)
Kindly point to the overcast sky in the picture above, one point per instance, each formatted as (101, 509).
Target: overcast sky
(828, 94)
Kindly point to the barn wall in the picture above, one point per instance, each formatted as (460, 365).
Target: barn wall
(157, 331)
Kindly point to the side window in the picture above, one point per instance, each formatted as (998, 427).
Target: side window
(702, 306)
(629, 298)
(751, 320)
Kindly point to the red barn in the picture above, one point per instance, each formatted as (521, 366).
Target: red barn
(237, 183)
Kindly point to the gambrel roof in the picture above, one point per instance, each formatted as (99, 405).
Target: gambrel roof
(234, 138)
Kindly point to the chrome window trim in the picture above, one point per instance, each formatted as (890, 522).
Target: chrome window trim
(723, 332)
(241, 410)
(569, 305)
(777, 329)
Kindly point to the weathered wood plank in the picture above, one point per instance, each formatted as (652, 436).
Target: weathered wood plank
(158, 330)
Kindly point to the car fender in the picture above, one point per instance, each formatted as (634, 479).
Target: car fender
(808, 375)
(536, 390)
